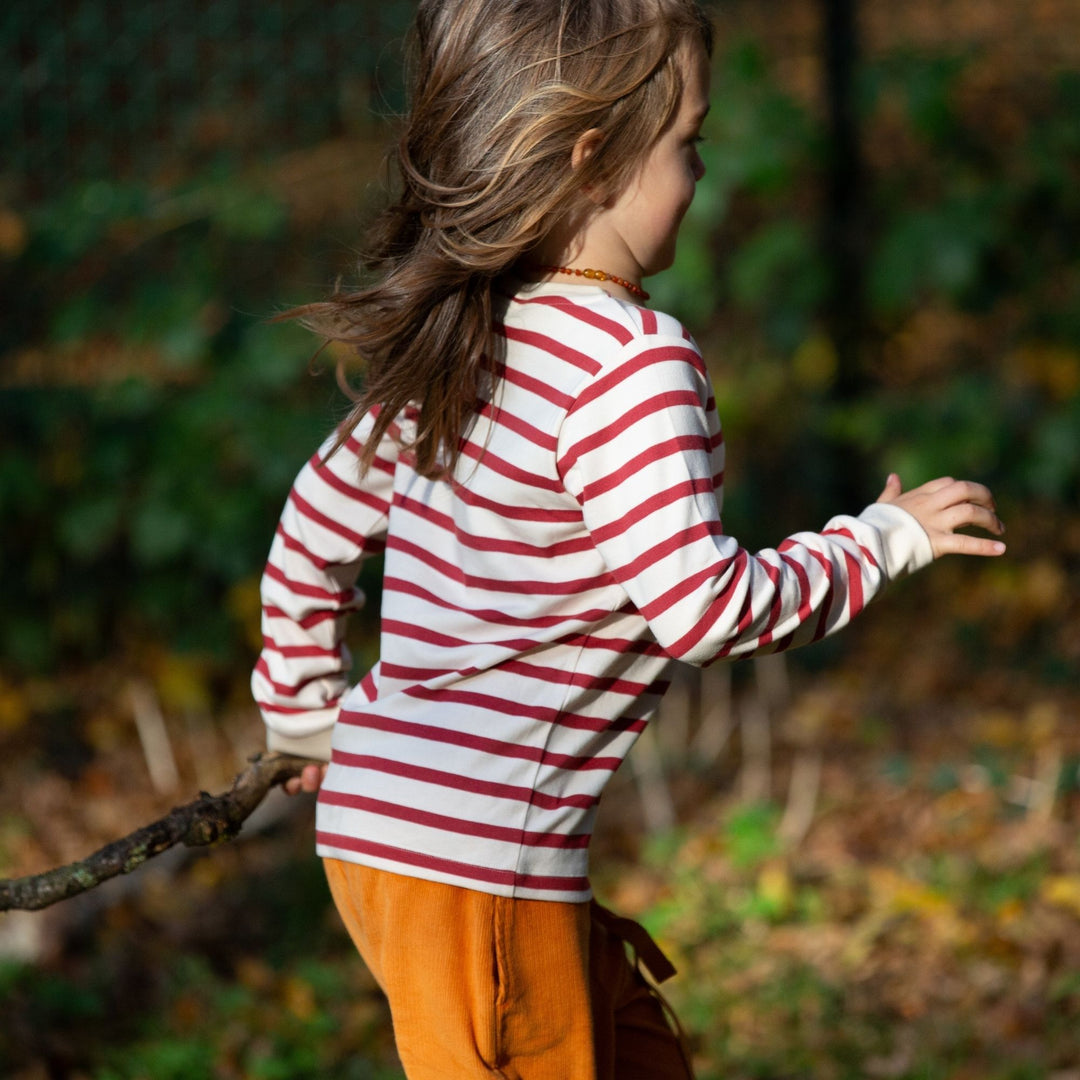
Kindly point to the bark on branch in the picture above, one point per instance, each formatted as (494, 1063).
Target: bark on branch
(209, 819)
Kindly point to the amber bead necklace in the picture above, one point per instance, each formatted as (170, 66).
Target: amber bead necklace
(598, 275)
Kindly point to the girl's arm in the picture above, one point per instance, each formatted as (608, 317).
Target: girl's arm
(641, 451)
(332, 521)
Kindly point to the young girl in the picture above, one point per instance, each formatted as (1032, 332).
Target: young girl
(538, 456)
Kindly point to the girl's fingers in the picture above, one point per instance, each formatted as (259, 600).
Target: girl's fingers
(967, 491)
(962, 544)
(936, 487)
(971, 514)
(310, 779)
(942, 495)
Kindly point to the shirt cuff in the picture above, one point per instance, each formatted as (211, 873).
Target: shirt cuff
(315, 746)
(905, 543)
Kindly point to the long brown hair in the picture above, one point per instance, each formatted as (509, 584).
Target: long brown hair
(500, 92)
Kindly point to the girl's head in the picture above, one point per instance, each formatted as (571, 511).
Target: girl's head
(502, 91)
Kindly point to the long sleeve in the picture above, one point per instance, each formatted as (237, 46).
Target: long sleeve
(641, 452)
(332, 521)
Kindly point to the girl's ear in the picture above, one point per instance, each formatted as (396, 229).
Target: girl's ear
(587, 144)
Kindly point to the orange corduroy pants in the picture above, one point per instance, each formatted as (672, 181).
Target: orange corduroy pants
(484, 986)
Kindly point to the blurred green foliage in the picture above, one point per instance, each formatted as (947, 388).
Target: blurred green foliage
(135, 499)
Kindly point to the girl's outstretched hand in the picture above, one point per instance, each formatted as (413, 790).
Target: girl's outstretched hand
(942, 506)
(309, 780)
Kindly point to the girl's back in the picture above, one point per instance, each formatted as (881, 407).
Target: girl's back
(533, 602)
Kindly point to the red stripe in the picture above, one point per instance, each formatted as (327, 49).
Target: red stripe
(702, 530)
(717, 609)
(855, 589)
(299, 588)
(508, 707)
(681, 444)
(583, 314)
(686, 489)
(804, 585)
(491, 615)
(691, 584)
(451, 866)
(515, 586)
(598, 683)
(774, 573)
(664, 402)
(746, 617)
(372, 546)
(536, 386)
(298, 652)
(445, 823)
(648, 321)
(659, 354)
(360, 495)
(464, 783)
(291, 710)
(827, 602)
(308, 621)
(622, 646)
(379, 463)
(552, 346)
(414, 632)
(413, 675)
(422, 633)
(293, 544)
(488, 459)
(485, 543)
(292, 690)
(593, 318)
(495, 747)
(367, 686)
(734, 568)
(307, 510)
(498, 415)
(866, 552)
(544, 514)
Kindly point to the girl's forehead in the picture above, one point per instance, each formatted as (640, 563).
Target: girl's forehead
(696, 81)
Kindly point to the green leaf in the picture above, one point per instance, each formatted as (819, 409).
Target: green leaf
(159, 532)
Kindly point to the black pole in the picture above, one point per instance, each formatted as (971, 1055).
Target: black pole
(843, 224)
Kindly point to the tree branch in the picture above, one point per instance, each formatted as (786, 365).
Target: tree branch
(209, 819)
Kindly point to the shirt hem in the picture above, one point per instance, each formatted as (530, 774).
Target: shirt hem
(510, 883)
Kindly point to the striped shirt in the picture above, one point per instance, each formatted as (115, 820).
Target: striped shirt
(533, 603)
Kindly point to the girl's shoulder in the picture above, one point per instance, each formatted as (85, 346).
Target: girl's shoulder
(580, 343)
(587, 317)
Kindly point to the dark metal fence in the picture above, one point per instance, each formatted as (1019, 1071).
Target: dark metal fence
(119, 88)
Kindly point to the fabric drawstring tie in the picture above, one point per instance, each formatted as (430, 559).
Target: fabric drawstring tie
(637, 937)
(648, 954)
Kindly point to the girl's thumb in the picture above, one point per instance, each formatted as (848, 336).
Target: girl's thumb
(893, 488)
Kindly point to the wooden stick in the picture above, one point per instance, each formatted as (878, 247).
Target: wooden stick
(209, 819)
